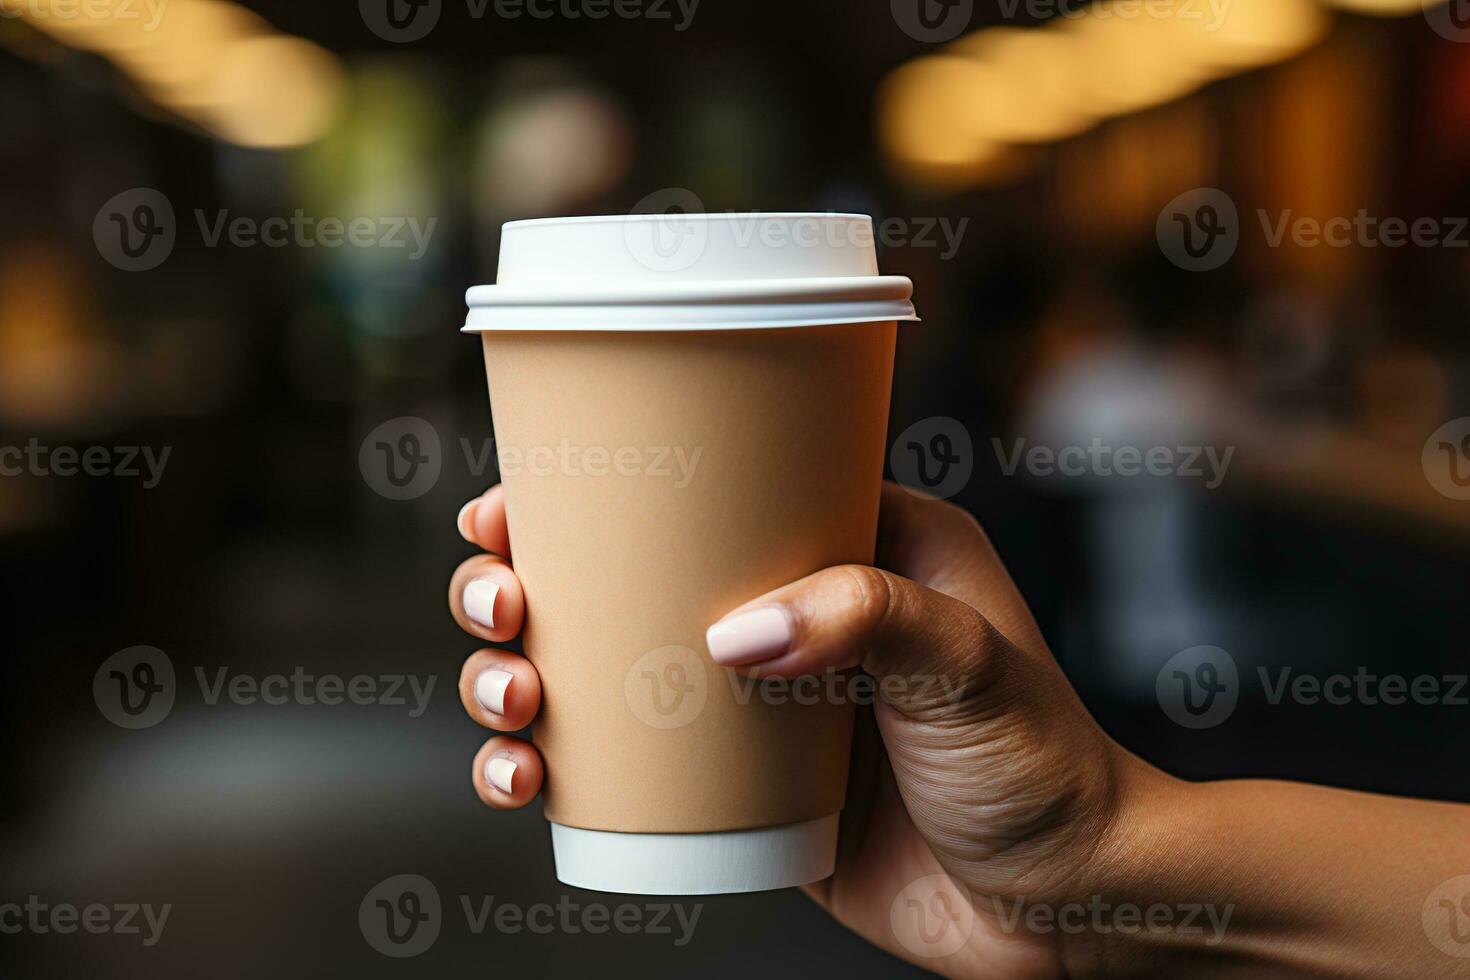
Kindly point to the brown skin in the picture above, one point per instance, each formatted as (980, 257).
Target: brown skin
(979, 764)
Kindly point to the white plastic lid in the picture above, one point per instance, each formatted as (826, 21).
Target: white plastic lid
(688, 272)
(720, 863)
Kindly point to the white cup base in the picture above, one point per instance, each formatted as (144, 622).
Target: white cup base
(696, 864)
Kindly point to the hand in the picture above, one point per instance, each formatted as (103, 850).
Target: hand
(979, 765)
(992, 793)
(995, 775)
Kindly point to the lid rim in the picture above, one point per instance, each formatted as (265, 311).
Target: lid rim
(580, 219)
(721, 292)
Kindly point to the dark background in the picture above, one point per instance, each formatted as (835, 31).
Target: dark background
(265, 549)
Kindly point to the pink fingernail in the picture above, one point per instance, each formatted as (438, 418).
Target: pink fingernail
(459, 522)
(479, 601)
(750, 637)
(490, 689)
(500, 773)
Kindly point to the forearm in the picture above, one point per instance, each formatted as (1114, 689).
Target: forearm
(1257, 878)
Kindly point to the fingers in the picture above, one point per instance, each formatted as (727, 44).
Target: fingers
(853, 615)
(507, 773)
(500, 689)
(486, 600)
(482, 521)
(940, 545)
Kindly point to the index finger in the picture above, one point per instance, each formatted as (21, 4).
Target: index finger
(482, 521)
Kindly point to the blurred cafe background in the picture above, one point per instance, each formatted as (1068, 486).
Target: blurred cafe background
(234, 246)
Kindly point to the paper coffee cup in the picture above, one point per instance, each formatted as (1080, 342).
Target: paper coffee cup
(689, 411)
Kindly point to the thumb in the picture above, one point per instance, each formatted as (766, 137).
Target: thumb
(924, 648)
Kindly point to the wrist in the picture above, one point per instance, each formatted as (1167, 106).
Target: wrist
(1129, 905)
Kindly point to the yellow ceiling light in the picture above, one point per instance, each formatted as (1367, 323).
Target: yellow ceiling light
(104, 26)
(1384, 8)
(925, 112)
(181, 56)
(209, 61)
(1250, 33)
(1029, 86)
(1131, 64)
(273, 92)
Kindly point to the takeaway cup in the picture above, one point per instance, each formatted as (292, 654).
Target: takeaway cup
(689, 411)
